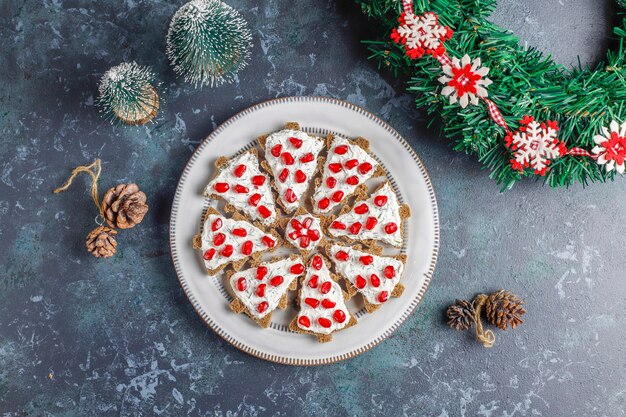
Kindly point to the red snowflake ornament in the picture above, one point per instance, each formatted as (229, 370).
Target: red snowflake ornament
(421, 35)
(535, 145)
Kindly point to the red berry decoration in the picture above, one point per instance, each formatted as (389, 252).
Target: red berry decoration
(241, 189)
(262, 307)
(383, 296)
(339, 316)
(341, 150)
(351, 163)
(313, 302)
(275, 151)
(260, 290)
(304, 241)
(370, 223)
(239, 170)
(217, 223)
(307, 158)
(324, 322)
(218, 239)
(360, 282)
(227, 251)
(287, 158)
(323, 203)
(276, 281)
(367, 259)
(337, 196)
(307, 222)
(258, 180)
(361, 209)
(313, 281)
(391, 227)
(283, 175)
(254, 199)
(355, 228)
(380, 200)
(242, 284)
(375, 280)
(334, 167)
(304, 321)
(300, 177)
(295, 142)
(325, 287)
(246, 248)
(353, 180)
(209, 254)
(342, 255)
(326, 303)
(365, 167)
(221, 187)
(317, 262)
(269, 242)
(389, 271)
(314, 235)
(338, 225)
(261, 271)
(264, 212)
(331, 182)
(290, 196)
(240, 231)
(296, 269)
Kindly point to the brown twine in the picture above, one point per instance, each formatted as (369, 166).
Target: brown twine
(94, 172)
(488, 338)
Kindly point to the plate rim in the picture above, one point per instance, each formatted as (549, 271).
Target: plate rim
(294, 361)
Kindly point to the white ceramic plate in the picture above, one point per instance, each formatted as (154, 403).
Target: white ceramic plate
(317, 115)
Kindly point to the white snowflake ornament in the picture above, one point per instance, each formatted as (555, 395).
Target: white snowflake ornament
(465, 81)
(421, 35)
(535, 145)
(610, 147)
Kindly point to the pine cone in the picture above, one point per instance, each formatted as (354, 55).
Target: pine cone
(460, 315)
(101, 242)
(124, 206)
(504, 309)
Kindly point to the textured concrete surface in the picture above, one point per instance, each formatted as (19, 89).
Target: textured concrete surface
(82, 337)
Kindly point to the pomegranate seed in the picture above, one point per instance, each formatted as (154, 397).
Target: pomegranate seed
(261, 271)
(290, 196)
(304, 241)
(313, 281)
(338, 225)
(341, 150)
(359, 282)
(300, 177)
(260, 290)
(276, 150)
(307, 158)
(317, 262)
(241, 189)
(209, 254)
(383, 296)
(325, 287)
(262, 307)
(239, 170)
(241, 232)
(391, 228)
(287, 158)
(258, 180)
(342, 255)
(367, 259)
(254, 199)
(264, 212)
(389, 271)
(269, 242)
(334, 167)
(355, 228)
(283, 175)
(312, 302)
(353, 180)
(296, 269)
(324, 322)
(246, 248)
(218, 239)
(295, 142)
(371, 223)
(323, 203)
(221, 187)
(365, 167)
(308, 221)
(326, 303)
(339, 316)
(227, 251)
(242, 284)
(294, 235)
(337, 196)
(314, 235)
(331, 182)
(276, 281)
(296, 224)
(380, 200)
(351, 163)
(361, 209)
(375, 280)
(217, 223)
(304, 321)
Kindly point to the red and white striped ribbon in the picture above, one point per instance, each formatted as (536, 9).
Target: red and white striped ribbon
(580, 152)
(496, 115)
(407, 5)
(443, 59)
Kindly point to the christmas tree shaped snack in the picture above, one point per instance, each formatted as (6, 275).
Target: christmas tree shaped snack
(245, 187)
(347, 166)
(225, 241)
(375, 277)
(291, 156)
(263, 288)
(322, 303)
(377, 218)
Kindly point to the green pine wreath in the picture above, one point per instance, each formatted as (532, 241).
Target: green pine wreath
(526, 84)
